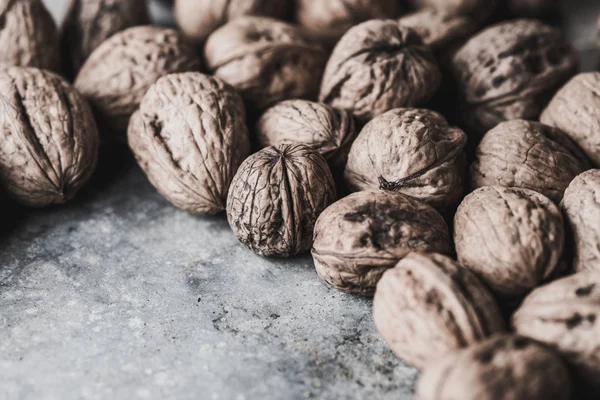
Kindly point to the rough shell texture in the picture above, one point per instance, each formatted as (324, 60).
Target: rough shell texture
(377, 66)
(90, 22)
(276, 197)
(190, 137)
(533, 8)
(503, 367)
(576, 110)
(28, 35)
(510, 71)
(121, 70)
(529, 155)
(267, 60)
(581, 207)
(412, 151)
(478, 9)
(361, 236)
(199, 18)
(49, 137)
(565, 315)
(512, 238)
(428, 305)
(319, 126)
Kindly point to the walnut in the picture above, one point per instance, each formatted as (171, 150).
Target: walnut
(28, 35)
(477, 9)
(276, 197)
(533, 8)
(412, 151)
(190, 137)
(529, 155)
(575, 109)
(428, 306)
(118, 73)
(361, 236)
(512, 238)
(565, 316)
(510, 71)
(503, 367)
(49, 137)
(378, 66)
(266, 60)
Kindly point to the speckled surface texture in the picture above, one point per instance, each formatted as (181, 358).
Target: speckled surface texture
(119, 295)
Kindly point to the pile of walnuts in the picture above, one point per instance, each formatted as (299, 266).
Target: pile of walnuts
(439, 158)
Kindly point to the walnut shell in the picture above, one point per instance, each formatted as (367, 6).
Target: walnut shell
(511, 238)
(378, 66)
(428, 305)
(276, 197)
(49, 137)
(28, 35)
(510, 71)
(412, 151)
(361, 236)
(565, 315)
(190, 137)
(529, 155)
(266, 60)
(503, 367)
(575, 109)
(120, 71)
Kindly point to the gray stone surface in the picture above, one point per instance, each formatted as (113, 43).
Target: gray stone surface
(120, 296)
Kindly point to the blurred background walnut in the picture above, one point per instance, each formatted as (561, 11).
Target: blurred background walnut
(480, 10)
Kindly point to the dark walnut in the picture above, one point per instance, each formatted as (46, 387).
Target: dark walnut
(512, 238)
(575, 109)
(319, 126)
(428, 306)
(276, 197)
(266, 60)
(581, 207)
(361, 236)
(28, 35)
(529, 155)
(533, 8)
(565, 315)
(190, 137)
(510, 71)
(412, 151)
(503, 367)
(90, 22)
(480, 10)
(121, 70)
(198, 19)
(378, 66)
(49, 137)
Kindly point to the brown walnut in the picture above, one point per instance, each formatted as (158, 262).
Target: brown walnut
(120, 71)
(276, 197)
(378, 66)
(428, 306)
(529, 155)
(190, 137)
(512, 238)
(49, 137)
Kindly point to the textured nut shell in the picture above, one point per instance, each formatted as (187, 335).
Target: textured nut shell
(565, 316)
(511, 237)
(529, 155)
(319, 126)
(121, 70)
(190, 137)
(378, 66)
(49, 137)
(428, 305)
(28, 37)
(503, 367)
(266, 60)
(361, 236)
(276, 197)
(575, 109)
(412, 151)
(510, 71)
